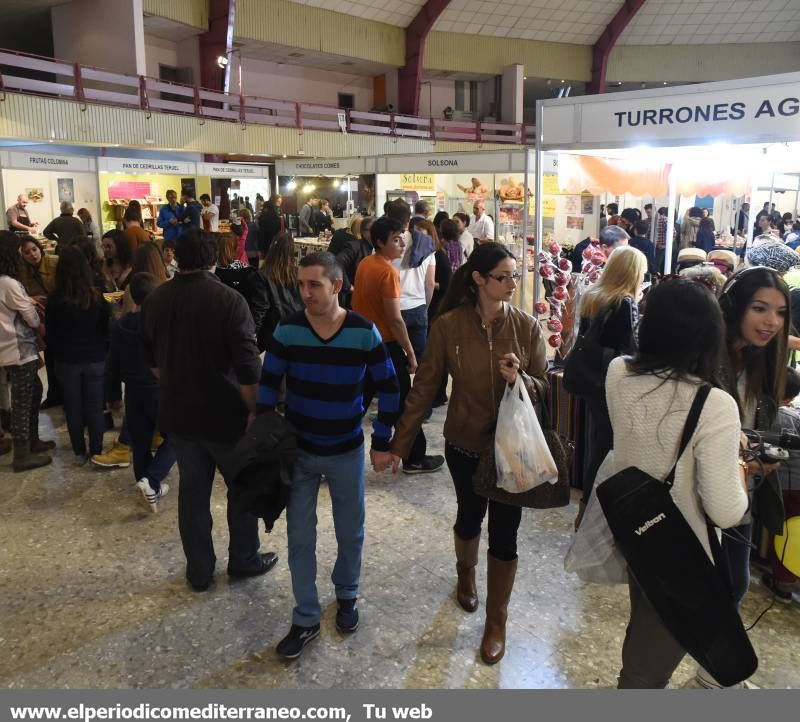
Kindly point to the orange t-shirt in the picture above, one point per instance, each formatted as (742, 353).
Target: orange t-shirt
(376, 279)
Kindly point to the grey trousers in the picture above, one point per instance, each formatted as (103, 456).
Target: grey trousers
(650, 653)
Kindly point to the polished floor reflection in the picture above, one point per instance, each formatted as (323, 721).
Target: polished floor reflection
(94, 597)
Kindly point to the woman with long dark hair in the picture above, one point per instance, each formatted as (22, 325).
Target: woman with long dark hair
(280, 275)
(484, 343)
(19, 358)
(118, 256)
(271, 223)
(77, 323)
(649, 397)
(755, 303)
(147, 258)
(38, 277)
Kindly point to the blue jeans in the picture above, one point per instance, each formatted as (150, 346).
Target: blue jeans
(197, 462)
(416, 320)
(141, 412)
(82, 388)
(345, 477)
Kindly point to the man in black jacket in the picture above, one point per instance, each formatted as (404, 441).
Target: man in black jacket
(199, 339)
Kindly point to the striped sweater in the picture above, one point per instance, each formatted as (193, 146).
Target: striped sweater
(325, 383)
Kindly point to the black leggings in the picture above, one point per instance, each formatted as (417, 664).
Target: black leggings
(504, 519)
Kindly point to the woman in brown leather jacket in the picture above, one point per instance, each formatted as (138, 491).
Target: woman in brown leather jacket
(483, 343)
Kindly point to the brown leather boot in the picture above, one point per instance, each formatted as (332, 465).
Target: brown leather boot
(500, 583)
(37, 445)
(24, 460)
(466, 561)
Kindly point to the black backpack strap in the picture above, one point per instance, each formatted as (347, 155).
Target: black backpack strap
(689, 428)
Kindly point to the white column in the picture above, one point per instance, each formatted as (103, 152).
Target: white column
(538, 192)
(673, 192)
(108, 34)
(512, 92)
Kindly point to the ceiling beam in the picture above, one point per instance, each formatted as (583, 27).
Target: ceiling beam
(409, 77)
(606, 42)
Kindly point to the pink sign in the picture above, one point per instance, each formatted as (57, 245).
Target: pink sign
(123, 190)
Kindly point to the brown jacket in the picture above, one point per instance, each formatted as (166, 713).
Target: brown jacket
(459, 344)
(39, 281)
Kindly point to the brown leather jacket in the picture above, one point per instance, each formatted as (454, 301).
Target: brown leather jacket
(460, 344)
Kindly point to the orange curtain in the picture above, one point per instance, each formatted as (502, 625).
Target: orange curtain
(578, 173)
(701, 177)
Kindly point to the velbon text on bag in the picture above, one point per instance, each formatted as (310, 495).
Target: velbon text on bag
(669, 563)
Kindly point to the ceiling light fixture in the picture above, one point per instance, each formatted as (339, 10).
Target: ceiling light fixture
(308, 188)
(292, 184)
(222, 61)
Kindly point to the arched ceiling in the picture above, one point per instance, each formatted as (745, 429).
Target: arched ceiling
(659, 22)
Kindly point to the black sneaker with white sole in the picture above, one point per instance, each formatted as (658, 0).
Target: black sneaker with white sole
(346, 616)
(427, 465)
(292, 645)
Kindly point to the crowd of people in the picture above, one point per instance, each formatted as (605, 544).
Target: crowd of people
(698, 230)
(402, 310)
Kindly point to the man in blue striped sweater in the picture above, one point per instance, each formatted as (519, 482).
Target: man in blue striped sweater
(325, 353)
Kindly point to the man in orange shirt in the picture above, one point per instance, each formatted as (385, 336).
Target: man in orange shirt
(376, 296)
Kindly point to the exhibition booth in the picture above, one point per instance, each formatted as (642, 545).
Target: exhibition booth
(714, 144)
(450, 182)
(48, 180)
(122, 180)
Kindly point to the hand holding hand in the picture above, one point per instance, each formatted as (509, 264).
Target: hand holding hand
(509, 366)
(382, 460)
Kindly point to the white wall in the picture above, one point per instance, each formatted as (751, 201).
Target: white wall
(159, 51)
(439, 94)
(108, 34)
(21, 181)
(297, 83)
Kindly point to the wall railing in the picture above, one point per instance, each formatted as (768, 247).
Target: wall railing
(35, 75)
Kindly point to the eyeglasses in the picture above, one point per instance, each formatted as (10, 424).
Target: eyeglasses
(503, 277)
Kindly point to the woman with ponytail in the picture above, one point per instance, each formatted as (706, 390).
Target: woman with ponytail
(484, 343)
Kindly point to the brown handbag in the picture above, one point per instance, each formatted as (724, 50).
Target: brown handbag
(544, 496)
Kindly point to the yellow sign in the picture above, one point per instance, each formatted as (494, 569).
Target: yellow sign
(548, 207)
(551, 185)
(417, 182)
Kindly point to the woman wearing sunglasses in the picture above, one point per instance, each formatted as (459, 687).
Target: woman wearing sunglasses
(483, 343)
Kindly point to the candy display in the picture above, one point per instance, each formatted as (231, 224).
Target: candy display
(568, 288)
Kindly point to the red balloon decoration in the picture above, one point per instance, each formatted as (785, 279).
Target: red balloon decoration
(554, 340)
(540, 308)
(555, 325)
(560, 293)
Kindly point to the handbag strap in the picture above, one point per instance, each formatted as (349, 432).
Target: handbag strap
(689, 428)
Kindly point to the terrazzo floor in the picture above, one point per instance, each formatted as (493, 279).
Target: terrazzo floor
(93, 596)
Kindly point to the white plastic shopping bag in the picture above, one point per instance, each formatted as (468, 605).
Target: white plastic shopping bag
(593, 555)
(522, 456)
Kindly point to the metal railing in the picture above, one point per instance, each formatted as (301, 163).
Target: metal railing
(35, 75)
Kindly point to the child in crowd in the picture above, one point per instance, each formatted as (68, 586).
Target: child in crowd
(141, 397)
(781, 580)
(168, 254)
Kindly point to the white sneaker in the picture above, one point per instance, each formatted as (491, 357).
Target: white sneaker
(705, 680)
(150, 496)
